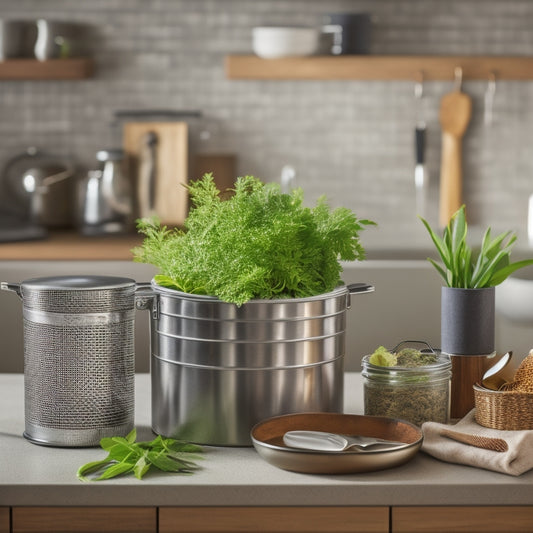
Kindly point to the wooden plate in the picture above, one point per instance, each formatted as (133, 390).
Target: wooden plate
(267, 438)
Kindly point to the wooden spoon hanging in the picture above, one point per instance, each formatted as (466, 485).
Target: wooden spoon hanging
(455, 113)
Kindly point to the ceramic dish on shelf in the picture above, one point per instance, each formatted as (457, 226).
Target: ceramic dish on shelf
(267, 438)
(271, 42)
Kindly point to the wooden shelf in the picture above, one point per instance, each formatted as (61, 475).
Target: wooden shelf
(75, 68)
(72, 246)
(370, 67)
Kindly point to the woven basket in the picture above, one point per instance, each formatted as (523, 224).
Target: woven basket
(507, 410)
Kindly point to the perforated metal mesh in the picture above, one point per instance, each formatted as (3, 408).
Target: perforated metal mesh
(83, 301)
(78, 376)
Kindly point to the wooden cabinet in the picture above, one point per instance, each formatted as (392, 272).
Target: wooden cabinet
(462, 519)
(273, 519)
(380, 519)
(84, 519)
(5, 522)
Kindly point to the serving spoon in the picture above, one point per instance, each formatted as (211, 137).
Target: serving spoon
(333, 442)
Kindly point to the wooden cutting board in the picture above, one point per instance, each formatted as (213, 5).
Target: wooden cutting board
(169, 196)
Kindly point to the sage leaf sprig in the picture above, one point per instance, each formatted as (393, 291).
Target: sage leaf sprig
(126, 456)
(465, 268)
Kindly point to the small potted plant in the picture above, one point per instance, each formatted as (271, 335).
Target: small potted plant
(468, 297)
(468, 302)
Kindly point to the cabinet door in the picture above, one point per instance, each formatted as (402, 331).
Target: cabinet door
(462, 519)
(84, 519)
(273, 519)
(5, 526)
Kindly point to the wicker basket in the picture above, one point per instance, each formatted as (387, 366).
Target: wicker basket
(507, 410)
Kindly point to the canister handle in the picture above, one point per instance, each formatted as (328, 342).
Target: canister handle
(146, 298)
(14, 287)
(356, 288)
(431, 349)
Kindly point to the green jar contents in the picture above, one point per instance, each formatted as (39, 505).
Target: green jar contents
(409, 384)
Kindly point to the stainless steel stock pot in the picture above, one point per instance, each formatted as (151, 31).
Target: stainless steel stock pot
(217, 369)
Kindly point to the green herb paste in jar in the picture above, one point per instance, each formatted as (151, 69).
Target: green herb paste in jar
(417, 394)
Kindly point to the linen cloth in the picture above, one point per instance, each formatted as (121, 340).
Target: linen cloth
(517, 459)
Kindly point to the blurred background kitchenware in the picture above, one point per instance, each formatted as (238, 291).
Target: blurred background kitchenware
(271, 42)
(421, 172)
(17, 38)
(455, 114)
(106, 196)
(158, 159)
(38, 187)
(57, 39)
(352, 32)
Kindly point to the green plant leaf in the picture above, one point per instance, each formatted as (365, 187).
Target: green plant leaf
(502, 274)
(91, 468)
(441, 271)
(439, 244)
(115, 470)
(141, 466)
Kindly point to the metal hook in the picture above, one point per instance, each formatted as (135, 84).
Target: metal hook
(489, 99)
(458, 73)
(419, 85)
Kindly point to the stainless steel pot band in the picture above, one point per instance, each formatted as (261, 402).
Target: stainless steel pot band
(247, 354)
(247, 368)
(70, 319)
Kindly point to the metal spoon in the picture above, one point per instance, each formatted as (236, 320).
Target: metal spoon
(333, 442)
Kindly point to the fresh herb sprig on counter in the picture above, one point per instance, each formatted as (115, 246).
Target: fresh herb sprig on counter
(127, 456)
(257, 243)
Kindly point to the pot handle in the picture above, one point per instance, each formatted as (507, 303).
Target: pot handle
(14, 287)
(356, 288)
(146, 298)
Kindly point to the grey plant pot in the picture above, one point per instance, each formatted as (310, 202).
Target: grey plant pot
(467, 321)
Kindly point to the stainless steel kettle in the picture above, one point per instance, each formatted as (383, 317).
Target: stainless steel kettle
(107, 205)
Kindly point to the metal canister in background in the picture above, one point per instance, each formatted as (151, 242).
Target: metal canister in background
(79, 358)
(416, 394)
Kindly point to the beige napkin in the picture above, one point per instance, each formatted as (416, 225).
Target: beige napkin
(468, 443)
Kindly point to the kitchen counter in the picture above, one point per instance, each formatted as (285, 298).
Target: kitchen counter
(45, 476)
(65, 245)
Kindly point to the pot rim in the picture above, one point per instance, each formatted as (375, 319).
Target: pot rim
(341, 290)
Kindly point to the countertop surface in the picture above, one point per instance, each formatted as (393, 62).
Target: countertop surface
(38, 475)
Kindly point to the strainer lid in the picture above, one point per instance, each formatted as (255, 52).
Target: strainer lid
(77, 283)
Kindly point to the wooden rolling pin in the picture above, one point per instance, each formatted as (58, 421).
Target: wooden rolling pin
(455, 113)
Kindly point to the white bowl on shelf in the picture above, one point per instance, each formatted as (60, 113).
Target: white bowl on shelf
(270, 42)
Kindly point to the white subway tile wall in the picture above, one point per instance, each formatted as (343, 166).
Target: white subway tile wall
(350, 140)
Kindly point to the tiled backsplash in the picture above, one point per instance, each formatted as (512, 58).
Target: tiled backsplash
(352, 140)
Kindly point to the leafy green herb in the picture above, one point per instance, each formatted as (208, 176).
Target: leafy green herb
(466, 269)
(382, 357)
(127, 456)
(257, 243)
(406, 358)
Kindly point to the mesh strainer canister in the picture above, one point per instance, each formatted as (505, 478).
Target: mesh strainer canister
(79, 358)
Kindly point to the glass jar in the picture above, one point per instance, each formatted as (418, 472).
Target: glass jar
(416, 394)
